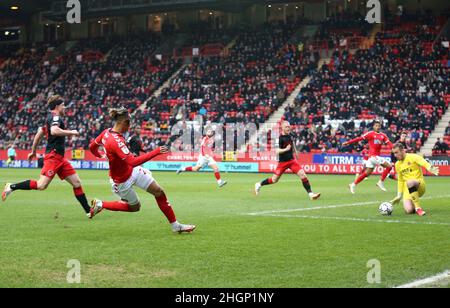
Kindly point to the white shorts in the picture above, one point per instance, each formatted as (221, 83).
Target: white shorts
(205, 161)
(374, 162)
(140, 177)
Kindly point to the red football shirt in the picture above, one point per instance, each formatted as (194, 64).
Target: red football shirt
(117, 152)
(207, 146)
(375, 140)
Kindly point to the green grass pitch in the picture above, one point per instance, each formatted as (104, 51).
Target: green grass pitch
(275, 240)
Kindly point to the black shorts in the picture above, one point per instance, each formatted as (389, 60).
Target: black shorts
(12, 158)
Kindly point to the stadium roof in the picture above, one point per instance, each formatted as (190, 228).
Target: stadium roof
(24, 8)
(27, 7)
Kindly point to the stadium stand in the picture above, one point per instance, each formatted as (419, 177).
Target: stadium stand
(248, 85)
(97, 74)
(403, 82)
(402, 79)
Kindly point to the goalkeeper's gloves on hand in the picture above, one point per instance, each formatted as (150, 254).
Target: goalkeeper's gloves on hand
(396, 199)
(434, 170)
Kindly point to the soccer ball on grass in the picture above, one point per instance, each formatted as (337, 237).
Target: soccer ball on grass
(386, 209)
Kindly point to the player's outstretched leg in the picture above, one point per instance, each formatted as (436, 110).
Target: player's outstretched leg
(307, 186)
(269, 181)
(219, 180)
(365, 174)
(386, 172)
(42, 184)
(393, 174)
(188, 169)
(97, 206)
(75, 181)
(166, 208)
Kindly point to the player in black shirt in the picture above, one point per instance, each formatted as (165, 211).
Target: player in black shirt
(54, 161)
(287, 161)
(402, 141)
(135, 143)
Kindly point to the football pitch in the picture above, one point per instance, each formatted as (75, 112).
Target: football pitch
(278, 239)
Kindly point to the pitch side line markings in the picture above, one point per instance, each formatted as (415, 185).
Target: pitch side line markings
(426, 281)
(311, 208)
(330, 207)
(360, 219)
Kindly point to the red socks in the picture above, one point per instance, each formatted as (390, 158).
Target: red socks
(116, 206)
(386, 173)
(164, 205)
(217, 175)
(268, 181)
(33, 185)
(166, 208)
(361, 178)
(78, 191)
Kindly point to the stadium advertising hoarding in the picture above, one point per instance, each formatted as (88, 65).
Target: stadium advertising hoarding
(264, 163)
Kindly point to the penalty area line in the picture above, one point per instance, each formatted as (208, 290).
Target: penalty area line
(336, 206)
(427, 281)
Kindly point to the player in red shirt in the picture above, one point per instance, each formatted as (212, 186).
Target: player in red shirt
(206, 158)
(287, 160)
(126, 172)
(376, 141)
(54, 161)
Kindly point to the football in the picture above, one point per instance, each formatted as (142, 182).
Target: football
(386, 209)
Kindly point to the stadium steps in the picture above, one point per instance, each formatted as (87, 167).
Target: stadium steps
(165, 85)
(439, 132)
(231, 44)
(278, 115)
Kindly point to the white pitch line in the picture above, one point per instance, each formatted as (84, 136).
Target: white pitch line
(426, 281)
(307, 209)
(360, 219)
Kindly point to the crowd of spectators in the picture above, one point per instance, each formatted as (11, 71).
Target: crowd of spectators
(402, 84)
(93, 76)
(22, 77)
(261, 70)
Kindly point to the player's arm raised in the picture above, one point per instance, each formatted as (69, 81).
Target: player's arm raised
(137, 161)
(36, 141)
(353, 141)
(423, 163)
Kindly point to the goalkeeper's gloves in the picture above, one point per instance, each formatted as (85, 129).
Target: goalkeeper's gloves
(397, 199)
(434, 170)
